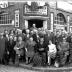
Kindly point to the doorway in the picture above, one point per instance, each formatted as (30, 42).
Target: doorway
(39, 23)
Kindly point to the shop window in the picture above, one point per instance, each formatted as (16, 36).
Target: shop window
(5, 19)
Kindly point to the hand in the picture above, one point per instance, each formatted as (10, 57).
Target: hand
(7, 52)
(18, 48)
(41, 49)
(26, 49)
(15, 48)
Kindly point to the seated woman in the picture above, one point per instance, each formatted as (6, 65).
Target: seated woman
(30, 50)
(63, 52)
(19, 48)
(52, 51)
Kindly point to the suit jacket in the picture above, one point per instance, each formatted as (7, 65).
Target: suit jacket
(35, 38)
(2, 47)
(10, 46)
(26, 38)
(47, 38)
(39, 46)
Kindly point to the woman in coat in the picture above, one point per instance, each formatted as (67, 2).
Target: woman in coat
(19, 48)
(30, 49)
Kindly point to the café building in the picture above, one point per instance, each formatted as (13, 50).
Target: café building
(23, 14)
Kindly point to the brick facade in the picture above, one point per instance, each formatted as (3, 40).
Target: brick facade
(20, 6)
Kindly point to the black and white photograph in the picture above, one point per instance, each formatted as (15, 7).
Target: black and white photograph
(35, 35)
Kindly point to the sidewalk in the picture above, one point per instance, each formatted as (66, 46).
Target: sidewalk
(67, 68)
(47, 69)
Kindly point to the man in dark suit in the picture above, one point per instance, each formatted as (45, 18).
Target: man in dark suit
(41, 49)
(10, 49)
(2, 47)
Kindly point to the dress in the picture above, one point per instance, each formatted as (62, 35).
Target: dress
(30, 48)
(52, 51)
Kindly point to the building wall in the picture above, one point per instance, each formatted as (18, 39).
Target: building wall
(65, 13)
(20, 6)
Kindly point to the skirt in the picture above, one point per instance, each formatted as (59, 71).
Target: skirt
(52, 55)
(29, 54)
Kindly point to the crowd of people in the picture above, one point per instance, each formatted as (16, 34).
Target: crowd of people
(38, 46)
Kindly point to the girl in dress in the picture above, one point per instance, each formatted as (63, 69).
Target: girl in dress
(51, 52)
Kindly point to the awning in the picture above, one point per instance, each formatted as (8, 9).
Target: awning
(36, 17)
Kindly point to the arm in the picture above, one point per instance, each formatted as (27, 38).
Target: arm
(59, 47)
(67, 47)
(22, 45)
(55, 50)
(16, 46)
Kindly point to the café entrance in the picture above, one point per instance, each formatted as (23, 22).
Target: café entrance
(37, 22)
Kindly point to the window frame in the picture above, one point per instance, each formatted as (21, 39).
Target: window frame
(4, 18)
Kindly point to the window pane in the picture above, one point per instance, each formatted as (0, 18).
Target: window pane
(5, 19)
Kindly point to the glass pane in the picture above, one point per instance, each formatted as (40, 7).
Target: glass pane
(5, 19)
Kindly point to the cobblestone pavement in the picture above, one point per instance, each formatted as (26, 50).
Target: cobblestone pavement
(4, 68)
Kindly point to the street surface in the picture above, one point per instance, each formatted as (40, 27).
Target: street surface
(13, 69)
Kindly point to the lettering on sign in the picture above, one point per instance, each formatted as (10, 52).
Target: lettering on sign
(39, 11)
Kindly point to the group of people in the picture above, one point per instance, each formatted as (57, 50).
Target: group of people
(37, 46)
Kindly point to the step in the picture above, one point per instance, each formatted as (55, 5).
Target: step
(47, 68)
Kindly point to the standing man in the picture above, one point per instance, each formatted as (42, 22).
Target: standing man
(33, 27)
(2, 47)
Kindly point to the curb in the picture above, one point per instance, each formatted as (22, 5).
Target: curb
(46, 69)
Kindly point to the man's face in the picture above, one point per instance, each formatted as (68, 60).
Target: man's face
(27, 31)
(42, 39)
(31, 39)
(64, 40)
(6, 32)
(11, 38)
(34, 25)
(20, 39)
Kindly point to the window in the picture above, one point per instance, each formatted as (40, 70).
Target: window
(60, 19)
(5, 19)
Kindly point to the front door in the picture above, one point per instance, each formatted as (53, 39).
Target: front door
(39, 23)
